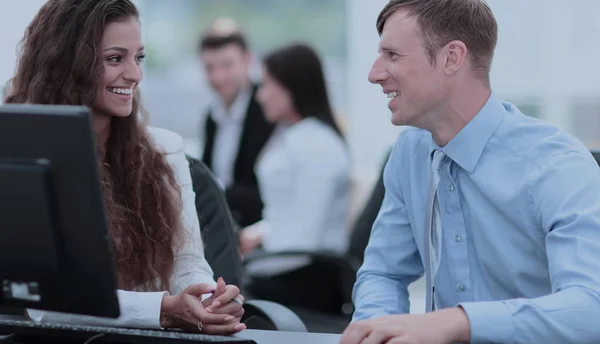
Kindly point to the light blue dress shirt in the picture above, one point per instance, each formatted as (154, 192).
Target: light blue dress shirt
(520, 208)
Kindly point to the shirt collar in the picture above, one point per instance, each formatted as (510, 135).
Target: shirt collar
(237, 110)
(467, 146)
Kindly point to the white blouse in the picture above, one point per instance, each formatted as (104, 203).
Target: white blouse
(304, 181)
(142, 309)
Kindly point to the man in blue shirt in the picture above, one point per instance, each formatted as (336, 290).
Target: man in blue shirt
(499, 211)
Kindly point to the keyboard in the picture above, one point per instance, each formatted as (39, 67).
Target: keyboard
(111, 334)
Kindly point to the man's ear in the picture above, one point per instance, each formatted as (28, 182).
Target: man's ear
(455, 56)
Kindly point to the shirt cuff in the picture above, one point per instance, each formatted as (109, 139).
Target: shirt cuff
(145, 309)
(490, 322)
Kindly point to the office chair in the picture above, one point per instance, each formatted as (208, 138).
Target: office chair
(218, 229)
(219, 233)
(596, 155)
(322, 310)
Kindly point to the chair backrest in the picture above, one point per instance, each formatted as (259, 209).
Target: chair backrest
(219, 230)
(361, 231)
(596, 155)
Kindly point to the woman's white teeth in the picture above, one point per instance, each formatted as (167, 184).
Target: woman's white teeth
(127, 91)
(393, 94)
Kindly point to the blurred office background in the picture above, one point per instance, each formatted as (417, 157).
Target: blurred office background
(544, 62)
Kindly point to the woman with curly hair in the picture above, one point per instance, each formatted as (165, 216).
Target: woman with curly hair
(88, 52)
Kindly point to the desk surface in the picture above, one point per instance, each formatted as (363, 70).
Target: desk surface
(262, 337)
(282, 337)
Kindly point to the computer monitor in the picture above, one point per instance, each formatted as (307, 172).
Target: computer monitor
(55, 251)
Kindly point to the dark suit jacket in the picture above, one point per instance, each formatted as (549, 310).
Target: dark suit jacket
(243, 195)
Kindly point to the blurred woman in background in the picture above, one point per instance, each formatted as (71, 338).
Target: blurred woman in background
(303, 171)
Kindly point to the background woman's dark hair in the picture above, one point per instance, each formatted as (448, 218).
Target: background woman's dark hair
(298, 68)
(59, 64)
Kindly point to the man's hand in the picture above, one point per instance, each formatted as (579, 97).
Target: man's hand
(250, 238)
(441, 327)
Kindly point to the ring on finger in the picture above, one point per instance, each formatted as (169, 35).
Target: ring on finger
(200, 327)
(237, 301)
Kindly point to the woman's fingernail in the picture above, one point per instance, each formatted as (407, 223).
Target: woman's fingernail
(239, 327)
(216, 304)
(229, 318)
(208, 309)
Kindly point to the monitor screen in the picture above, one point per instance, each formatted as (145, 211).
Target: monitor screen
(55, 248)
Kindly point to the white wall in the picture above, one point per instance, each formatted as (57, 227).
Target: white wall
(14, 18)
(370, 132)
(546, 50)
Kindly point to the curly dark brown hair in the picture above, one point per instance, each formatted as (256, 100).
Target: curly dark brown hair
(59, 64)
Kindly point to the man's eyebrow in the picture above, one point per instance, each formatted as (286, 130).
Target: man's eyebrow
(387, 48)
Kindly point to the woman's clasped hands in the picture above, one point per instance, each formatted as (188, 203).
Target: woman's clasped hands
(219, 314)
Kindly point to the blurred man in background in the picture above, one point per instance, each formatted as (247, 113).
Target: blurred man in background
(235, 129)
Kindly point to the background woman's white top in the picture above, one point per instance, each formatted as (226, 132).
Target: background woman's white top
(304, 180)
(142, 309)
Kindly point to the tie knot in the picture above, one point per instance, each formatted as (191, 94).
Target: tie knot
(438, 157)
